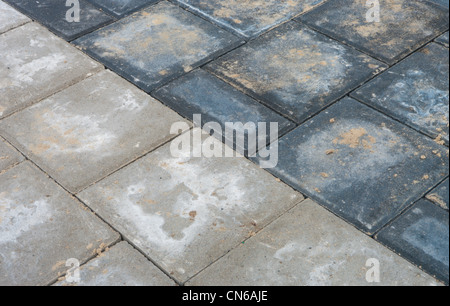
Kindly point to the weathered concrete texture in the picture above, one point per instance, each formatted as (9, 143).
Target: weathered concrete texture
(295, 70)
(202, 93)
(121, 265)
(52, 14)
(404, 25)
(121, 8)
(415, 91)
(8, 156)
(440, 195)
(421, 235)
(157, 44)
(90, 129)
(10, 18)
(296, 250)
(360, 164)
(35, 64)
(249, 18)
(443, 3)
(41, 227)
(443, 39)
(185, 212)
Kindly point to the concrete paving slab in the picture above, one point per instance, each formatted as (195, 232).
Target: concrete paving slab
(8, 156)
(35, 64)
(295, 70)
(157, 44)
(121, 265)
(440, 195)
(296, 250)
(121, 8)
(443, 3)
(249, 18)
(87, 131)
(10, 18)
(361, 165)
(415, 91)
(184, 212)
(202, 93)
(443, 40)
(41, 227)
(52, 14)
(404, 25)
(422, 236)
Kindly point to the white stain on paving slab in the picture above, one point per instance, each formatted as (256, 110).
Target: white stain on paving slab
(10, 18)
(185, 212)
(299, 250)
(8, 156)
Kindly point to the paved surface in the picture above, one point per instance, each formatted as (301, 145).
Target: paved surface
(88, 179)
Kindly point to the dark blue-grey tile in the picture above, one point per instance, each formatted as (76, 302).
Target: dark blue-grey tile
(360, 164)
(121, 8)
(440, 195)
(295, 70)
(404, 26)
(202, 93)
(415, 91)
(443, 3)
(421, 235)
(157, 44)
(52, 14)
(443, 40)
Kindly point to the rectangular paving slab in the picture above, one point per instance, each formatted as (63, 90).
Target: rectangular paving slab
(249, 18)
(121, 8)
(89, 130)
(121, 265)
(414, 91)
(360, 164)
(202, 93)
(10, 18)
(422, 236)
(295, 70)
(404, 25)
(184, 212)
(440, 195)
(443, 39)
(41, 227)
(53, 13)
(157, 44)
(309, 246)
(443, 3)
(35, 64)
(8, 156)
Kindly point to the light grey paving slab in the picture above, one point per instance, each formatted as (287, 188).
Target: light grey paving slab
(35, 64)
(41, 227)
(8, 156)
(91, 129)
(186, 212)
(10, 18)
(122, 265)
(310, 246)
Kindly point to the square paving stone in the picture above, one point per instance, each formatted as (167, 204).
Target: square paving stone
(121, 265)
(41, 227)
(404, 25)
(422, 236)
(360, 164)
(35, 64)
(10, 18)
(52, 14)
(157, 44)
(440, 195)
(297, 250)
(184, 212)
(89, 130)
(295, 70)
(121, 8)
(443, 3)
(202, 93)
(415, 91)
(249, 18)
(8, 156)
(443, 39)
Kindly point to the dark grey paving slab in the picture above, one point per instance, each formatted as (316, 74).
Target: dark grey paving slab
(422, 236)
(295, 70)
(440, 195)
(41, 227)
(157, 44)
(404, 25)
(443, 39)
(360, 164)
(8, 156)
(443, 3)
(52, 14)
(10, 18)
(121, 265)
(202, 93)
(415, 91)
(121, 8)
(87, 131)
(249, 18)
